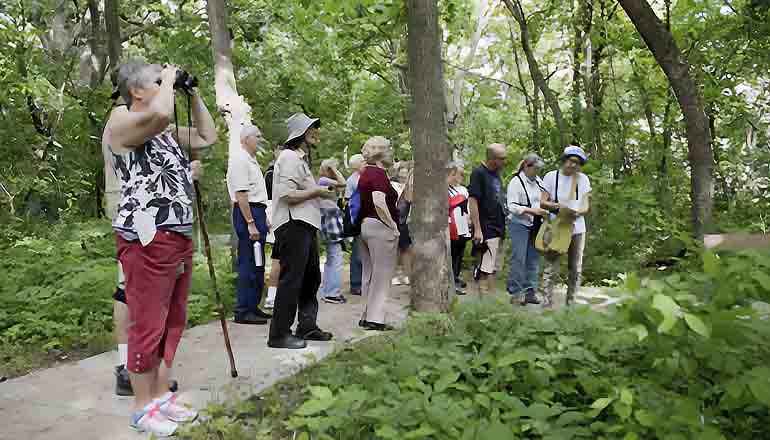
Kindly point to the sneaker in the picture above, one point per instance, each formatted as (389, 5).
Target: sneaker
(152, 421)
(344, 300)
(176, 411)
(530, 298)
(334, 299)
(376, 326)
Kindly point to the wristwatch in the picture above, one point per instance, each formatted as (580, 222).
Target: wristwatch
(250, 221)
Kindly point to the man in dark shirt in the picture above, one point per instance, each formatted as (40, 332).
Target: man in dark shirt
(487, 207)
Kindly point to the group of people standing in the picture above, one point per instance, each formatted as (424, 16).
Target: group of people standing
(521, 210)
(151, 165)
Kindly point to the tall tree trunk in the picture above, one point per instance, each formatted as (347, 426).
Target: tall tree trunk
(701, 157)
(114, 39)
(532, 101)
(455, 104)
(578, 18)
(514, 6)
(232, 106)
(431, 273)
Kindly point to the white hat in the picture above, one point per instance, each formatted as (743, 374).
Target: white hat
(298, 124)
(578, 152)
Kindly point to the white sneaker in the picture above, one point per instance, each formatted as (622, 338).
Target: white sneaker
(176, 411)
(152, 421)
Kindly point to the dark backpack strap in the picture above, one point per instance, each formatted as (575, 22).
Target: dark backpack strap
(557, 186)
(526, 193)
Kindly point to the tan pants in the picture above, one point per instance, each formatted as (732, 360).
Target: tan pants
(575, 264)
(378, 246)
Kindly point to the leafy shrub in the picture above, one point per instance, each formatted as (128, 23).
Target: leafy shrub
(57, 291)
(684, 357)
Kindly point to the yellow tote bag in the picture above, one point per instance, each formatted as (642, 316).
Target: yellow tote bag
(555, 235)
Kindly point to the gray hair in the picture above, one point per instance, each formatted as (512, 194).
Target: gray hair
(534, 159)
(375, 149)
(356, 161)
(131, 74)
(248, 131)
(455, 165)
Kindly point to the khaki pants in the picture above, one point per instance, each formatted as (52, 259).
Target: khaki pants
(575, 264)
(378, 251)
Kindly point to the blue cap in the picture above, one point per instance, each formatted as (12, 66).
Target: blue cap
(578, 152)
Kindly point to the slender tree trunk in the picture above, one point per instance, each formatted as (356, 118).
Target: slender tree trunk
(114, 39)
(532, 101)
(455, 104)
(514, 6)
(232, 106)
(431, 273)
(701, 157)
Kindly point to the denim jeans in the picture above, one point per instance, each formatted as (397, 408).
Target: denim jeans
(356, 269)
(251, 279)
(332, 277)
(524, 270)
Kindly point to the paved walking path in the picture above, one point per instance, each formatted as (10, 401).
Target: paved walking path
(77, 401)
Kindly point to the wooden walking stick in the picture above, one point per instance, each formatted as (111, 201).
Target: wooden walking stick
(213, 277)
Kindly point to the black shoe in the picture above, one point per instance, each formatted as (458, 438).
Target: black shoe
(333, 299)
(316, 335)
(250, 318)
(460, 283)
(123, 383)
(362, 323)
(459, 291)
(530, 298)
(289, 341)
(263, 315)
(344, 300)
(355, 292)
(376, 326)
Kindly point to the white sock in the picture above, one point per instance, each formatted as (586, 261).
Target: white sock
(123, 353)
(271, 293)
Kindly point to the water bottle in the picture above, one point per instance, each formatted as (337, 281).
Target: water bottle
(258, 254)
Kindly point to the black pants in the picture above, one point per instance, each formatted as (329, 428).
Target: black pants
(458, 251)
(299, 280)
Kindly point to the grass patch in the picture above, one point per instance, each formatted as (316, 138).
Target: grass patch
(57, 295)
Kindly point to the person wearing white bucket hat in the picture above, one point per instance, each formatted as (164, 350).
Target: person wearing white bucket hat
(297, 219)
(568, 189)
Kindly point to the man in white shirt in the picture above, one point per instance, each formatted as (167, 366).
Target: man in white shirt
(559, 184)
(246, 186)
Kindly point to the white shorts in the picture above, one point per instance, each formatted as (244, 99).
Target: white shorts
(492, 260)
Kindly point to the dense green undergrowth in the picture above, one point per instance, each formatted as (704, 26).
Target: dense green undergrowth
(57, 291)
(684, 357)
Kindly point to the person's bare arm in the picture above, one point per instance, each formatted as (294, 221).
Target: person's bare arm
(381, 206)
(127, 129)
(204, 133)
(242, 198)
(586, 206)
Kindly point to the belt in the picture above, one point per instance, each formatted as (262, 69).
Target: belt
(253, 205)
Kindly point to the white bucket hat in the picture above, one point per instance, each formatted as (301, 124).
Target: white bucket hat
(578, 152)
(298, 123)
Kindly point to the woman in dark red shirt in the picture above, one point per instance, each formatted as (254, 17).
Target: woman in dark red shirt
(379, 232)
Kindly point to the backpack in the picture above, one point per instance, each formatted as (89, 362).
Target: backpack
(351, 227)
(456, 200)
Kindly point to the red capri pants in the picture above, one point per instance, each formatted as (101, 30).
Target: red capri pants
(157, 285)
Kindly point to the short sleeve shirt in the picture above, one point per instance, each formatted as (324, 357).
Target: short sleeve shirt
(292, 173)
(244, 174)
(375, 179)
(487, 188)
(565, 186)
(522, 193)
